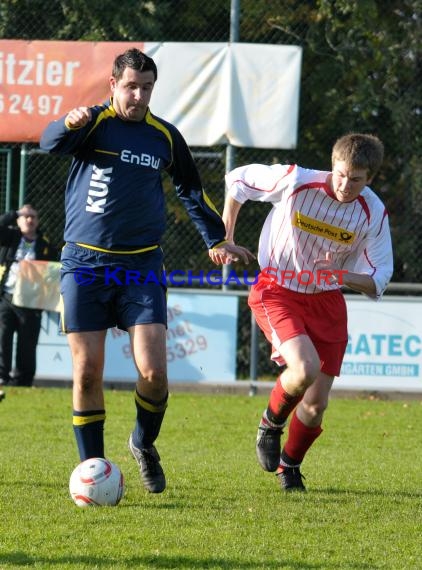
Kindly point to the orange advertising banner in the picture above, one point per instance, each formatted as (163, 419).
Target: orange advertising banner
(42, 80)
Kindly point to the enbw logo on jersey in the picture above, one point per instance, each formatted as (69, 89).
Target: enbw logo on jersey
(142, 160)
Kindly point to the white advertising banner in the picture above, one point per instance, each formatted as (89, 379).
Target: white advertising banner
(385, 345)
(201, 343)
(215, 93)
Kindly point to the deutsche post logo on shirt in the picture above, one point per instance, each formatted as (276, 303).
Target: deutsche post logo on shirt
(316, 227)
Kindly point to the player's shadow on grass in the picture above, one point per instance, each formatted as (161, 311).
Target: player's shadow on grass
(185, 562)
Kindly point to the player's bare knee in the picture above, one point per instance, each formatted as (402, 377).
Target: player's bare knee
(304, 374)
(155, 380)
(87, 375)
(314, 410)
(86, 382)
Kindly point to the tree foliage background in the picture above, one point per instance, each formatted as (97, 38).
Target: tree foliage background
(361, 71)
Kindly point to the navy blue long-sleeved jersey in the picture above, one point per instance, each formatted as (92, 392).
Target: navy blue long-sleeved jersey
(114, 194)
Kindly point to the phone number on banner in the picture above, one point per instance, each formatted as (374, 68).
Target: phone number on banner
(42, 105)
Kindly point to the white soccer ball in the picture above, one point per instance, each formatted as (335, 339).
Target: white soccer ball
(96, 482)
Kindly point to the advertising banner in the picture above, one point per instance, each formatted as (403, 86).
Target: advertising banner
(201, 343)
(384, 351)
(385, 345)
(40, 81)
(244, 94)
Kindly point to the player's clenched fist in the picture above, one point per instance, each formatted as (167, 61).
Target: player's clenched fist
(78, 117)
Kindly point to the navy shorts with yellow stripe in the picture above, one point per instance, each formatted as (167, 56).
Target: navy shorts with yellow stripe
(102, 290)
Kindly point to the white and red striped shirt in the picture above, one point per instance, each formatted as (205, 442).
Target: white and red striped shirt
(307, 221)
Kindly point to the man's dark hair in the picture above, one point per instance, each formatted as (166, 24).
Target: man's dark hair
(135, 59)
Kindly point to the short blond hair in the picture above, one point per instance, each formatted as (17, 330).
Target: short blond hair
(360, 151)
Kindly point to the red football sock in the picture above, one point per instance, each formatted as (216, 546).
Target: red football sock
(299, 440)
(281, 403)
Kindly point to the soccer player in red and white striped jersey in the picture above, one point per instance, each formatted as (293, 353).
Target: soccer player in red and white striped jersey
(325, 230)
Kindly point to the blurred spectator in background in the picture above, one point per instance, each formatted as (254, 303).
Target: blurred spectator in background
(20, 238)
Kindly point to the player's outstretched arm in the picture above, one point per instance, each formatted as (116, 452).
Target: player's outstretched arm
(230, 213)
(228, 251)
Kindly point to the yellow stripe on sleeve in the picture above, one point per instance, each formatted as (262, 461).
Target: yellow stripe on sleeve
(209, 203)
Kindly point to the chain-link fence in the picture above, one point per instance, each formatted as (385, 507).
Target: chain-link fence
(361, 71)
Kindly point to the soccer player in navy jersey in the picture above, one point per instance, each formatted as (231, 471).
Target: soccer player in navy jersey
(115, 219)
(325, 230)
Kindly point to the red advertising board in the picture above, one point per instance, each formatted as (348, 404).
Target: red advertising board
(42, 80)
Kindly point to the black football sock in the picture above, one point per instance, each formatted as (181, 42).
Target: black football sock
(149, 417)
(88, 428)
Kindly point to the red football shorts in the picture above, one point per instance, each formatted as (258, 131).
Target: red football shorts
(282, 314)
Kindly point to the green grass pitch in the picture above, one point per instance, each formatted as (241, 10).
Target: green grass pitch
(363, 509)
